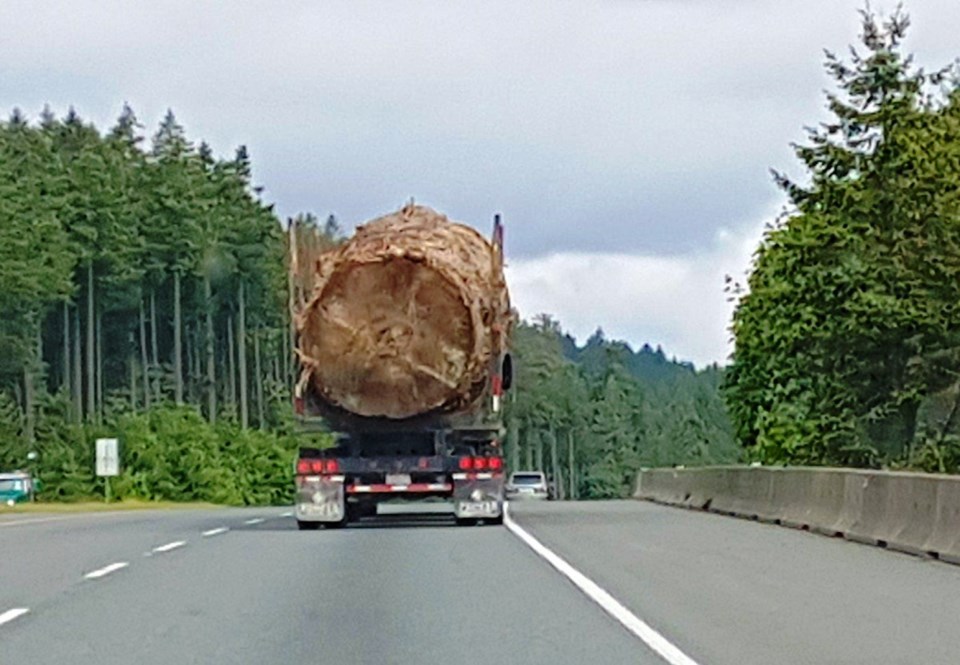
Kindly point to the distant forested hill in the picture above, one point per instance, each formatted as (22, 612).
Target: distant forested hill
(592, 415)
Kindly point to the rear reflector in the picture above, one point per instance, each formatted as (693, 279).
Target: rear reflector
(466, 463)
(303, 466)
(383, 488)
(496, 463)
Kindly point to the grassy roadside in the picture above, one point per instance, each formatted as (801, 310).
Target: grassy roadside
(100, 506)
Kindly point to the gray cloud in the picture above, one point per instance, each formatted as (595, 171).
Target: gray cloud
(625, 125)
(636, 128)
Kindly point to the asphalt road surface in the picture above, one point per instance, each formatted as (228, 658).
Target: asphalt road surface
(244, 586)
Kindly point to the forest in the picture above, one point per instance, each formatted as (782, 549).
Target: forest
(145, 295)
(847, 331)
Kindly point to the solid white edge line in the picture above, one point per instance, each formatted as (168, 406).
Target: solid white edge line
(106, 570)
(647, 634)
(170, 546)
(10, 615)
(255, 520)
(215, 532)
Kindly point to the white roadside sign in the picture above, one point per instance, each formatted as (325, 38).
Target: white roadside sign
(108, 457)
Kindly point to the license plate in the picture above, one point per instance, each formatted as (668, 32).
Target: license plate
(398, 479)
(473, 508)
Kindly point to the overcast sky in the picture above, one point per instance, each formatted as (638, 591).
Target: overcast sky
(627, 143)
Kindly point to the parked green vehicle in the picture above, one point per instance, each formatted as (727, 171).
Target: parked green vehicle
(17, 487)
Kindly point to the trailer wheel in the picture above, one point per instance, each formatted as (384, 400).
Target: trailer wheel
(307, 526)
(494, 520)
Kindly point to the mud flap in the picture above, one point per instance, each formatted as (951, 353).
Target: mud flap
(475, 498)
(321, 500)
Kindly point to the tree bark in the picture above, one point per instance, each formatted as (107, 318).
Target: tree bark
(538, 451)
(258, 378)
(144, 366)
(177, 342)
(276, 368)
(528, 447)
(65, 382)
(209, 351)
(77, 369)
(30, 372)
(98, 366)
(570, 462)
(132, 366)
(513, 435)
(231, 369)
(91, 373)
(154, 347)
(242, 357)
(555, 465)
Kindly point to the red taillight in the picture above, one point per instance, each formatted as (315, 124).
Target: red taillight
(317, 466)
(479, 463)
(466, 463)
(496, 463)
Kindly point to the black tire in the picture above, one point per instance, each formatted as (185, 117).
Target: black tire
(307, 526)
(466, 521)
(495, 521)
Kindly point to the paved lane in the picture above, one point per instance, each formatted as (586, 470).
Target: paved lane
(266, 593)
(733, 592)
(725, 591)
(44, 555)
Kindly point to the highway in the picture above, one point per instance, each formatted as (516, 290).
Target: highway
(244, 586)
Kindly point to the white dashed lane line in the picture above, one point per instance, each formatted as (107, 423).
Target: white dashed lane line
(215, 532)
(255, 520)
(106, 570)
(169, 546)
(287, 514)
(10, 615)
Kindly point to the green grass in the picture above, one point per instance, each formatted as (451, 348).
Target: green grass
(98, 506)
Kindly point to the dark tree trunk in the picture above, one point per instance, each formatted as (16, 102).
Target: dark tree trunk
(154, 348)
(99, 367)
(177, 342)
(144, 365)
(570, 461)
(91, 346)
(66, 383)
(132, 367)
(209, 352)
(31, 370)
(538, 441)
(258, 378)
(231, 369)
(242, 357)
(513, 437)
(528, 446)
(77, 369)
(555, 465)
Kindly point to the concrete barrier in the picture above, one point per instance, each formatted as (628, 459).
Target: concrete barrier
(911, 512)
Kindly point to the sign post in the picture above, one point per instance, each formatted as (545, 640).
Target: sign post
(108, 462)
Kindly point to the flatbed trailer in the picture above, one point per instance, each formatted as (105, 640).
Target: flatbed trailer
(339, 485)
